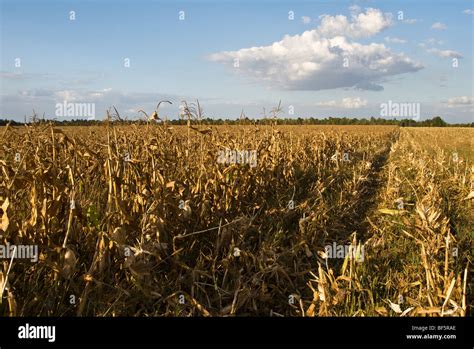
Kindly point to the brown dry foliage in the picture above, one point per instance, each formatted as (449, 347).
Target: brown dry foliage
(142, 220)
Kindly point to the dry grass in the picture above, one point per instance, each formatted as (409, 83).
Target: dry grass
(159, 227)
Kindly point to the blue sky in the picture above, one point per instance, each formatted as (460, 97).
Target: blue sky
(425, 57)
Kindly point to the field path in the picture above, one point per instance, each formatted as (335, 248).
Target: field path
(354, 217)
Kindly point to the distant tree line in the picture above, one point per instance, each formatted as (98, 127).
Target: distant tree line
(434, 122)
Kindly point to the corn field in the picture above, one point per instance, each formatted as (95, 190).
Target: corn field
(144, 220)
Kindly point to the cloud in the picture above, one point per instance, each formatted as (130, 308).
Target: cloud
(33, 93)
(69, 96)
(460, 101)
(7, 75)
(306, 19)
(345, 103)
(23, 101)
(410, 21)
(461, 104)
(437, 52)
(83, 79)
(106, 95)
(355, 9)
(362, 25)
(323, 58)
(468, 12)
(439, 26)
(83, 96)
(12, 75)
(444, 53)
(394, 40)
(430, 42)
(433, 41)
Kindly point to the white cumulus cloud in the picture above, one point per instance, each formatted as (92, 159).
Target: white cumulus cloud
(445, 53)
(345, 103)
(306, 19)
(394, 40)
(439, 26)
(460, 101)
(325, 57)
(361, 25)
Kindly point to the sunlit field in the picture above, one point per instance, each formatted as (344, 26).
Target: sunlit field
(237, 220)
